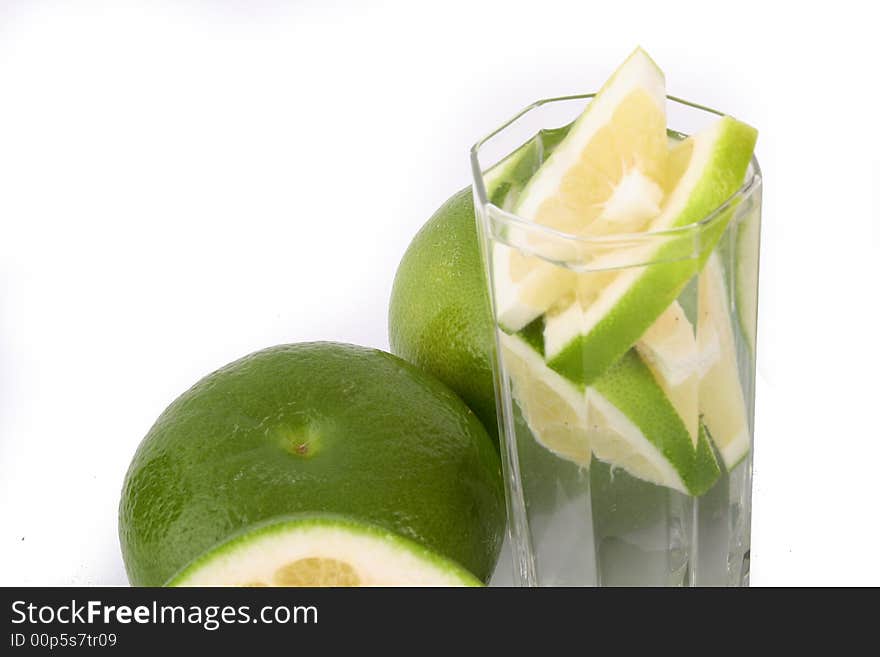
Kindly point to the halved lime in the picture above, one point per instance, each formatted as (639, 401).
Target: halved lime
(321, 552)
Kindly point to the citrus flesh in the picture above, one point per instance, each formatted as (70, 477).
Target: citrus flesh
(616, 334)
(633, 417)
(552, 406)
(669, 350)
(722, 402)
(606, 176)
(325, 552)
(584, 339)
(617, 330)
(321, 429)
(636, 426)
(748, 238)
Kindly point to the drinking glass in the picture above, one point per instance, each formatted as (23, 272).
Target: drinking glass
(597, 494)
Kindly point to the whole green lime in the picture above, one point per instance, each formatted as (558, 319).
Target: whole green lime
(317, 430)
(439, 316)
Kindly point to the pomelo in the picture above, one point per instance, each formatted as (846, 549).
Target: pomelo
(314, 463)
(439, 317)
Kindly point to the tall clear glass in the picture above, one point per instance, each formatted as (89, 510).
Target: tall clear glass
(630, 469)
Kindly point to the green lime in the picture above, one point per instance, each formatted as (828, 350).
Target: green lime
(606, 176)
(439, 316)
(345, 457)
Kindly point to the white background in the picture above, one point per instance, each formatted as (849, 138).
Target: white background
(183, 183)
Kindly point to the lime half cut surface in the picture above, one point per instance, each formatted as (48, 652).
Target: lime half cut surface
(324, 553)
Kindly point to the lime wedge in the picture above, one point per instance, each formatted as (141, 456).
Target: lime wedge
(583, 340)
(321, 552)
(748, 237)
(669, 349)
(553, 407)
(601, 357)
(506, 179)
(641, 415)
(722, 403)
(605, 176)
(634, 425)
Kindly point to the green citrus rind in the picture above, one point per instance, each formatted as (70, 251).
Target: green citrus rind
(243, 541)
(630, 386)
(653, 288)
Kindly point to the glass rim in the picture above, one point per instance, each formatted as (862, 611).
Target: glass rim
(631, 238)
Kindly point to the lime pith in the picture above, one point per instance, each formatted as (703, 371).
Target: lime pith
(632, 417)
(321, 551)
(722, 402)
(605, 176)
(716, 162)
(552, 406)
